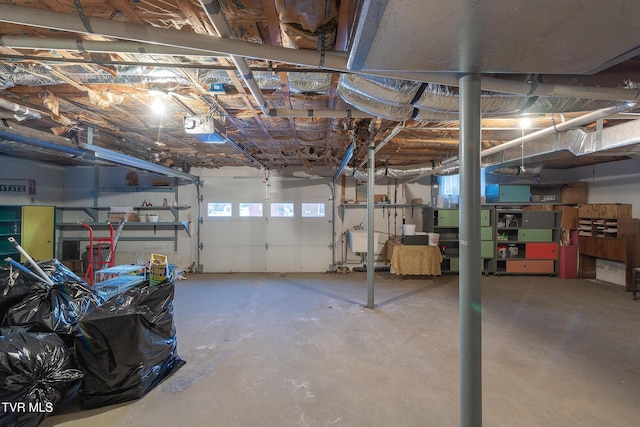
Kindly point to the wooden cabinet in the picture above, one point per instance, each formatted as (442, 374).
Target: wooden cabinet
(609, 232)
(623, 249)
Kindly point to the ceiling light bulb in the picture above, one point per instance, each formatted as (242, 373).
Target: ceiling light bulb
(157, 106)
(525, 122)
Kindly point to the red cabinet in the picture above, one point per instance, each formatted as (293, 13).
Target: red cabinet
(568, 262)
(541, 250)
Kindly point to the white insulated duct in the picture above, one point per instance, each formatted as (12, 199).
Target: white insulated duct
(386, 90)
(376, 107)
(309, 82)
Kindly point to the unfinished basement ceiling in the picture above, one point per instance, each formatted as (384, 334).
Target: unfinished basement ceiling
(295, 84)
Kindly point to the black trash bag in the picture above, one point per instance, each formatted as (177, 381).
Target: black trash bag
(56, 309)
(19, 288)
(127, 346)
(15, 285)
(58, 272)
(35, 372)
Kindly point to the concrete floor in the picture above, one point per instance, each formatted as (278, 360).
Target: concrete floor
(300, 350)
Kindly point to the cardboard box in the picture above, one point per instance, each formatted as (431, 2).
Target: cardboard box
(115, 217)
(74, 265)
(568, 217)
(574, 193)
(378, 198)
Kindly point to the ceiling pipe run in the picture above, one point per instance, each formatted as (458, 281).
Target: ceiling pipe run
(384, 142)
(335, 61)
(21, 112)
(220, 24)
(557, 128)
(80, 45)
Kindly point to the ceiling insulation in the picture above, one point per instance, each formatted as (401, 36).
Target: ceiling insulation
(296, 83)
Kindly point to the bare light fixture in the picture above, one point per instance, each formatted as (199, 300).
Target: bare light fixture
(208, 128)
(157, 106)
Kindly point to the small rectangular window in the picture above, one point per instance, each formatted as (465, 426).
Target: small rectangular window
(313, 210)
(250, 209)
(218, 209)
(284, 210)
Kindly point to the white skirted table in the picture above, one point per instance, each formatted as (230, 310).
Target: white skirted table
(412, 259)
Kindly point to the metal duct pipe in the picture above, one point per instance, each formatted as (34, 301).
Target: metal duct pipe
(217, 19)
(123, 159)
(560, 127)
(80, 45)
(19, 109)
(11, 135)
(336, 61)
(388, 172)
(569, 124)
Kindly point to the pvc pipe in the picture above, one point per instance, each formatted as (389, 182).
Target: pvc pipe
(19, 109)
(35, 265)
(22, 268)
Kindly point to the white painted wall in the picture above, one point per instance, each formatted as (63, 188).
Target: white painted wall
(614, 182)
(301, 244)
(49, 182)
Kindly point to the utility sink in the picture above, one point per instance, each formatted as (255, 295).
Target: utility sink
(358, 241)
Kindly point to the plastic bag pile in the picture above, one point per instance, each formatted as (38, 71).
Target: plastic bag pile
(53, 337)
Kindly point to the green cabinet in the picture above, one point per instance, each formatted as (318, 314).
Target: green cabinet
(535, 235)
(485, 218)
(486, 249)
(501, 193)
(33, 229)
(446, 222)
(10, 226)
(447, 218)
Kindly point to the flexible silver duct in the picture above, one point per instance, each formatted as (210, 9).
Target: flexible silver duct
(336, 61)
(388, 172)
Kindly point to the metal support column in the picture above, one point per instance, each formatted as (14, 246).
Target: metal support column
(370, 227)
(470, 271)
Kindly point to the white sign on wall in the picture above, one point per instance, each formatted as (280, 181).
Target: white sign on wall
(18, 186)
